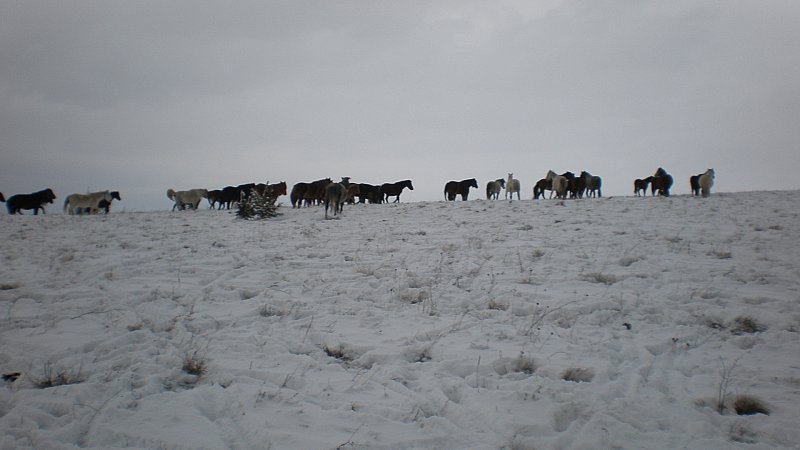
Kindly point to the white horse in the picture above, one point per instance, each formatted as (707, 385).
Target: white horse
(190, 198)
(560, 184)
(512, 185)
(705, 181)
(89, 203)
(493, 188)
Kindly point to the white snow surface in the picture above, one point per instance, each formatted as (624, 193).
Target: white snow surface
(587, 324)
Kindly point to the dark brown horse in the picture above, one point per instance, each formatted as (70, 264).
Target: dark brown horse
(454, 188)
(369, 192)
(275, 190)
(35, 201)
(661, 183)
(309, 193)
(694, 184)
(395, 189)
(542, 185)
(214, 197)
(641, 185)
(229, 194)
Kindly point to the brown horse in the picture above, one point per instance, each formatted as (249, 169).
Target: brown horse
(309, 193)
(395, 189)
(453, 188)
(542, 185)
(661, 182)
(640, 184)
(276, 190)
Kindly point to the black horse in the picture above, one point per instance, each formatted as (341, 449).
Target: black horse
(694, 183)
(454, 188)
(395, 189)
(369, 192)
(640, 184)
(35, 201)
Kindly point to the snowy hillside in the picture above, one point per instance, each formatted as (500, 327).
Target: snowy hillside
(611, 323)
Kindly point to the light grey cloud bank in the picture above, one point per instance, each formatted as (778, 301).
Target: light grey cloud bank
(145, 96)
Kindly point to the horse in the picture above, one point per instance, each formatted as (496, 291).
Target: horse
(641, 185)
(308, 193)
(35, 201)
(335, 196)
(2, 199)
(395, 189)
(190, 198)
(593, 184)
(512, 186)
(453, 188)
(369, 192)
(705, 181)
(560, 185)
(214, 197)
(661, 182)
(493, 188)
(315, 193)
(229, 195)
(353, 191)
(694, 184)
(90, 203)
(276, 190)
(298, 192)
(576, 186)
(542, 185)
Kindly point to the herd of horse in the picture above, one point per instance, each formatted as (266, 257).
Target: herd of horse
(335, 194)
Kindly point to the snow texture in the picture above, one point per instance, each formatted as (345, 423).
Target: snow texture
(620, 322)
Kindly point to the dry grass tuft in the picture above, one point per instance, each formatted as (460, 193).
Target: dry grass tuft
(578, 375)
(746, 405)
(746, 325)
(195, 363)
(52, 377)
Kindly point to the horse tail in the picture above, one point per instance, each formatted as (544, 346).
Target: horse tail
(66, 203)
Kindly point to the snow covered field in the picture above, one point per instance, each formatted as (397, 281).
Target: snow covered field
(611, 323)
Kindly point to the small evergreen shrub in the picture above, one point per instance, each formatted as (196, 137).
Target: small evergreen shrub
(257, 206)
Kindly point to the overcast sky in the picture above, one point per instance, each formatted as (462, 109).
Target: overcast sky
(142, 96)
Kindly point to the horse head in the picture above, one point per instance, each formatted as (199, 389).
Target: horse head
(115, 195)
(473, 183)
